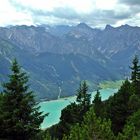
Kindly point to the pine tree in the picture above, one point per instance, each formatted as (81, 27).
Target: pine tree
(135, 70)
(134, 103)
(73, 113)
(20, 118)
(131, 130)
(83, 97)
(92, 128)
(97, 98)
(97, 104)
(48, 137)
(117, 107)
(135, 120)
(128, 133)
(135, 75)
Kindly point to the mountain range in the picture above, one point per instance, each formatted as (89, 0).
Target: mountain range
(58, 57)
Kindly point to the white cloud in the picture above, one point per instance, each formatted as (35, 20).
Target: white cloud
(81, 6)
(9, 15)
(106, 4)
(94, 12)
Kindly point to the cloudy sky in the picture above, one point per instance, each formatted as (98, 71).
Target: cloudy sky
(96, 13)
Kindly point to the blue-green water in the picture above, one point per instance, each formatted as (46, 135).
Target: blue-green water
(54, 107)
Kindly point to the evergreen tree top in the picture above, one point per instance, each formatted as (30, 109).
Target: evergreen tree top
(20, 117)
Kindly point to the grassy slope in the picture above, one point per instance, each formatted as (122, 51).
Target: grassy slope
(111, 84)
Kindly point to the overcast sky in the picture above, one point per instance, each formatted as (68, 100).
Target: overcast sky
(96, 13)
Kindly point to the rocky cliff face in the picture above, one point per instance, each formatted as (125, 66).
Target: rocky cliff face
(60, 57)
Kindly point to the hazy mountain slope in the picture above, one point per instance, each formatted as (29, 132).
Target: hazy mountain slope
(51, 72)
(58, 58)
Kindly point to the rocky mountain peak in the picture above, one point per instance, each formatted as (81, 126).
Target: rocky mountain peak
(83, 25)
(109, 27)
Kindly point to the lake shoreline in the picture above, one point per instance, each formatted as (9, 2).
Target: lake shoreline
(54, 107)
(67, 97)
(102, 86)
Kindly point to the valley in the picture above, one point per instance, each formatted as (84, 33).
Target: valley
(57, 58)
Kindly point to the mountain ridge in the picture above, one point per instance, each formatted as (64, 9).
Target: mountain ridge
(75, 53)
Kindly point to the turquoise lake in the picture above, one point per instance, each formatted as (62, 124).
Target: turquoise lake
(54, 107)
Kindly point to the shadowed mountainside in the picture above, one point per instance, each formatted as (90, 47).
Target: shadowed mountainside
(57, 58)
